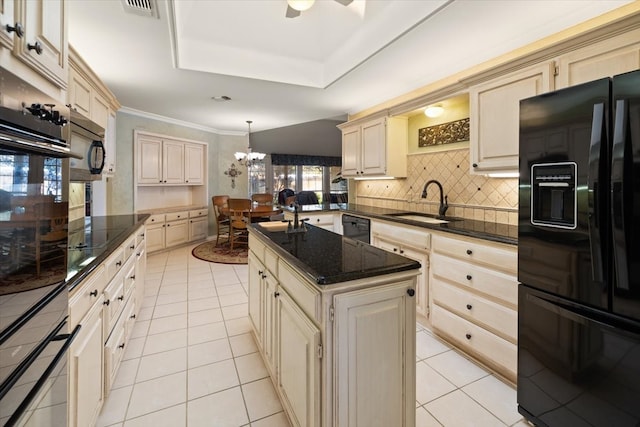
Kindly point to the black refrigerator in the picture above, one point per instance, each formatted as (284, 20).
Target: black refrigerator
(579, 255)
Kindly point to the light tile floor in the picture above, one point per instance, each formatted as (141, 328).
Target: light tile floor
(192, 361)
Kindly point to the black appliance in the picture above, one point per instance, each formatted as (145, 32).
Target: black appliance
(34, 335)
(579, 255)
(86, 141)
(356, 228)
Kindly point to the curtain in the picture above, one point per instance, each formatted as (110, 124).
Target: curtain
(305, 160)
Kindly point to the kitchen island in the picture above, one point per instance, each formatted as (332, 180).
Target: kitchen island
(334, 320)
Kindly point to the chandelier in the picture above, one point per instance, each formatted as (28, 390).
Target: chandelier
(248, 158)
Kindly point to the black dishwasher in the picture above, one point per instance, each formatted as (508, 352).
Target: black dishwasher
(356, 228)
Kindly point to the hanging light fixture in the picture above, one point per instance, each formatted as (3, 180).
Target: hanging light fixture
(249, 157)
(434, 110)
(300, 5)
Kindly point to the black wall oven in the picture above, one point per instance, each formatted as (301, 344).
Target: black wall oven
(34, 335)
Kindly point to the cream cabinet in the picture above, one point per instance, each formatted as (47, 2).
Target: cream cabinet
(474, 293)
(110, 145)
(198, 224)
(494, 111)
(411, 242)
(375, 148)
(8, 24)
(140, 268)
(155, 233)
(177, 228)
(164, 161)
(315, 341)
(606, 58)
(324, 220)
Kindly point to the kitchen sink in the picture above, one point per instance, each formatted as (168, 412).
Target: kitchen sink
(426, 218)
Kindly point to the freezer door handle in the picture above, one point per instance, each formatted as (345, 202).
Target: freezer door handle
(598, 138)
(618, 191)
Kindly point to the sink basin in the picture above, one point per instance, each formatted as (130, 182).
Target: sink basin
(274, 226)
(427, 219)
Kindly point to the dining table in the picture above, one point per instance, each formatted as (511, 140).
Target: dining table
(258, 211)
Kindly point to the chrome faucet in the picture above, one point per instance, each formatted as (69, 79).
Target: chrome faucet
(299, 225)
(443, 203)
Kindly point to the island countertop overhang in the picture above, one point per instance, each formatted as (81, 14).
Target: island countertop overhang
(327, 258)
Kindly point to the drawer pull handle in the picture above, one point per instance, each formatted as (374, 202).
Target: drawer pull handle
(469, 277)
(119, 263)
(132, 247)
(468, 336)
(469, 251)
(276, 294)
(132, 277)
(469, 306)
(411, 292)
(15, 28)
(93, 293)
(395, 249)
(260, 272)
(106, 302)
(133, 316)
(264, 276)
(121, 345)
(138, 254)
(121, 298)
(36, 46)
(401, 251)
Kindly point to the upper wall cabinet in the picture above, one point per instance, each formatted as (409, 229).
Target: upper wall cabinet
(8, 26)
(606, 58)
(494, 110)
(44, 44)
(375, 148)
(163, 161)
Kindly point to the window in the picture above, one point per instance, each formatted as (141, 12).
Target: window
(23, 175)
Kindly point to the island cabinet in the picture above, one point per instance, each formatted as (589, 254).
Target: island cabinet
(339, 354)
(474, 293)
(104, 304)
(327, 220)
(412, 242)
(375, 148)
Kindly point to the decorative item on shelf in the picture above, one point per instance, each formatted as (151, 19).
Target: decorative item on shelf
(445, 133)
(232, 173)
(248, 158)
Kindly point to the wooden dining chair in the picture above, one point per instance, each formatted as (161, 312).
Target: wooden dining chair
(220, 205)
(262, 199)
(50, 237)
(240, 217)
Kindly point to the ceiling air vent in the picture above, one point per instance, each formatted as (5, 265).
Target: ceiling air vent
(141, 7)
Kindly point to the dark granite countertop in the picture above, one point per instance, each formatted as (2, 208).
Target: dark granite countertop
(93, 239)
(502, 233)
(326, 258)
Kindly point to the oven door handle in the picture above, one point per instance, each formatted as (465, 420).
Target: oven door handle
(598, 139)
(24, 405)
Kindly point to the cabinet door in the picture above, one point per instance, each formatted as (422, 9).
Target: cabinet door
(374, 364)
(494, 111)
(99, 110)
(176, 232)
(422, 281)
(374, 151)
(141, 267)
(197, 228)
(607, 58)
(86, 386)
(193, 164)
(173, 162)
(45, 31)
(79, 93)
(298, 365)
(351, 151)
(256, 297)
(149, 159)
(7, 17)
(110, 145)
(155, 237)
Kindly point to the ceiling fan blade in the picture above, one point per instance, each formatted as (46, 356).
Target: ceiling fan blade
(291, 12)
(345, 2)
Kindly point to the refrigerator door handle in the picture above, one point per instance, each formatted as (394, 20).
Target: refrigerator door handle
(617, 195)
(593, 182)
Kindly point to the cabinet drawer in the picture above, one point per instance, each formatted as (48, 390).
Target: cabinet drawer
(197, 213)
(271, 261)
(257, 247)
(114, 263)
(491, 349)
(319, 219)
(492, 255)
(499, 319)
(87, 294)
(305, 296)
(494, 284)
(129, 277)
(129, 246)
(113, 352)
(114, 298)
(154, 219)
(407, 236)
(140, 235)
(174, 216)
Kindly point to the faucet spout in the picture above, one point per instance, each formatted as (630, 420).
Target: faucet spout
(442, 209)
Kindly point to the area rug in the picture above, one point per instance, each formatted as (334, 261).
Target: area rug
(208, 251)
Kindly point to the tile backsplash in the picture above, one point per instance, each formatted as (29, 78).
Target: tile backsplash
(469, 196)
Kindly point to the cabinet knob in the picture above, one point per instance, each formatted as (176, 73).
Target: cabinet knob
(276, 294)
(411, 292)
(264, 276)
(121, 298)
(119, 263)
(168, 225)
(36, 46)
(132, 247)
(106, 302)
(468, 336)
(93, 293)
(475, 165)
(401, 251)
(469, 277)
(138, 254)
(469, 306)
(133, 316)
(395, 249)
(469, 251)
(260, 272)
(121, 346)
(17, 28)
(133, 277)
